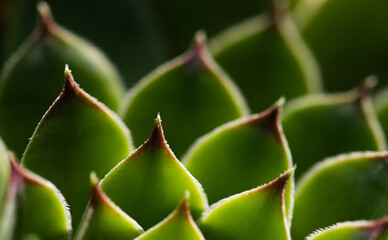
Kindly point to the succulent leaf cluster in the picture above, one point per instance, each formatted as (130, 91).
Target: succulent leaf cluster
(251, 145)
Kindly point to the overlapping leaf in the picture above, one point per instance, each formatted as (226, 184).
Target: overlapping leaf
(30, 80)
(192, 93)
(4, 173)
(34, 208)
(104, 220)
(357, 230)
(181, 19)
(132, 35)
(151, 182)
(241, 155)
(381, 107)
(77, 135)
(320, 126)
(267, 58)
(255, 214)
(178, 225)
(343, 41)
(344, 188)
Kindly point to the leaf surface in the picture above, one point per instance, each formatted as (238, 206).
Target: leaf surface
(105, 220)
(357, 230)
(344, 188)
(267, 59)
(192, 93)
(76, 136)
(150, 183)
(241, 155)
(178, 225)
(30, 80)
(34, 207)
(324, 125)
(4, 173)
(255, 214)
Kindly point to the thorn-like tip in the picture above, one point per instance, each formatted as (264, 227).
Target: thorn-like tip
(45, 16)
(198, 51)
(157, 135)
(280, 103)
(279, 184)
(366, 87)
(93, 179)
(183, 208)
(69, 83)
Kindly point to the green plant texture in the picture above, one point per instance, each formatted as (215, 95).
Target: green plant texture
(271, 125)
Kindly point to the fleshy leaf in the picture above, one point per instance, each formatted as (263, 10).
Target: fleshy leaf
(132, 36)
(77, 135)
(193, 94)
(178, 225)
(267, 59)
(324, 125)
(104, 220)
(381, 107)
(357, 230)
(4, 173)
(150, 183)
(30, 81)
(33, 207)
(338, 31)
(344, 188)
(181, 18)
(243, 149)
(255, 214)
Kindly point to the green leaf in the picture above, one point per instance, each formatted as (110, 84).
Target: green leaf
(33, 207)
(180, 19)
(30, 82)
(357, 230)
(344, 188)
(4, 173)
(178, 225)
(191, 91)
(267, 59)
(255, 214)
(77, 135)
(104, 220)
(381, 106)
(132, 38)
(243, 150)
(337, 31)
(150, 183)
(323, 125)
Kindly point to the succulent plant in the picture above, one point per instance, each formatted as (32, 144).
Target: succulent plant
(232, 159)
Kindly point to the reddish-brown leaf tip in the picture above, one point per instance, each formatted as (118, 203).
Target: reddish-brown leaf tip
(183, 208)
(156, 140)
(269, 120)
(279, 184)
(97, 196)
(376, 227)
(198, 52)
(366, 88)
(69, 85)
(45, 17)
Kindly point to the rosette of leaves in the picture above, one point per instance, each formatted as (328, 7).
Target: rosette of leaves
(150, 194)
(235, 178)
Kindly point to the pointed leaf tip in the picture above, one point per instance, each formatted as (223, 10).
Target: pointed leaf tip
(45, 17)
(198, 51)
(269, 120)
(69, 83)
(157, 136)
(366, 87)
(279, 184)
